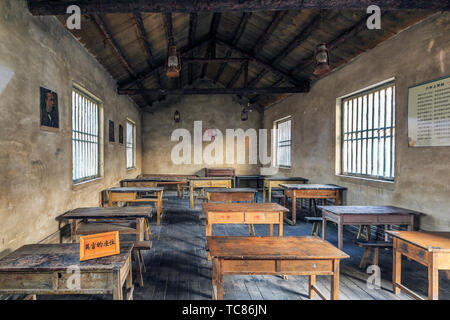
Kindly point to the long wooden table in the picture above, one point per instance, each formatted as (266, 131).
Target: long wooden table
(431, 249)
(156, 182)
(207, 182)
(232, 194)
(365, 215)
(43, 269)
(141, 214)
(133, 194)
(275, 256)
(244, 213)
(310, 191)
(276, 182)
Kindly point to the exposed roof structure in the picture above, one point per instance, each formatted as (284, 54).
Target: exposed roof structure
(245, 53)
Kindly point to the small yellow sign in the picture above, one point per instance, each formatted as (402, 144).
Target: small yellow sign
(99, 245)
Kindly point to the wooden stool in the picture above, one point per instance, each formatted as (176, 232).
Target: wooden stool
(369, 245)
(138, 260)
(317, 225)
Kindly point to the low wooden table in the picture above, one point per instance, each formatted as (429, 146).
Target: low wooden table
(156, 182)
(275, 256)
(141, 214)
(207, 182)
(232, 194)
(244, 213)
(365, 215)
(431, 249)
(132, 194)
(275, 182)
(42, 269)
(310, 191)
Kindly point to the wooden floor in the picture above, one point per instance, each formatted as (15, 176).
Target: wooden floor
(177, 266)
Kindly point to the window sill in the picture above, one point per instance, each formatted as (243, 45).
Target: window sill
(384, 184)
(80, 185)
(131, 169)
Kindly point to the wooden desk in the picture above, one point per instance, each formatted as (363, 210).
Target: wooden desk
(207, 182)
(232, 194)
(431, 249)
(156, 182)
(274, 256)
(132, 194)
(141, 214)
(275, 182)
(365, 215)
(244, 213)
(221, 172)
(310, 191)
(41, 269)
(257, 178)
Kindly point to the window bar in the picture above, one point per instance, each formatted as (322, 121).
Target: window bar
(355, 105)
(366, 98)
(360, 120)
(385, 126)
(373, 133)
(379, 133)
(350, 108)
(392, 130)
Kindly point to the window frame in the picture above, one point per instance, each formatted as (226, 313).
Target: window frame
(92, 98)
(275, 125)
(129, 121)
(390, 83)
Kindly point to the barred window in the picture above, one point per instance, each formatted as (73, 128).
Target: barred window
(131, 157)
(368, 133)
(85, 137)
(283, 142)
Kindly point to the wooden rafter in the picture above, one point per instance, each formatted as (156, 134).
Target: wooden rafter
(107, 34)
(191, 91)
(213, 34)
(237, 36)
(57, 7)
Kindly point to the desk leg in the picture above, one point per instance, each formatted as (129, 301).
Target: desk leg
(159, 208)
(117, 290)
(335, 281)
(294, 210)
(139, 229)
(129, 283)
(324, 228)
(312, 283)
(264, 194)
(217, 280)
(271, 230)
(270, 193)
(280, 225)
(396, 268)
(433, 280)
(191, 196)
(74, 227)
(340, 235)
(178, 191)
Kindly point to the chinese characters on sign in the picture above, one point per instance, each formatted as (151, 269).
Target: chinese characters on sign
(99, 245)
(429, 114)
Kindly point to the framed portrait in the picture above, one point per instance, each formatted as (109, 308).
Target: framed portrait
(120, 134)
(49, 110)
(111, 131)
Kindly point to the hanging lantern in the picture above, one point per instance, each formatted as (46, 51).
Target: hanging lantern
(322, 57)
(173, 63)
(244, 115)
(176, 116)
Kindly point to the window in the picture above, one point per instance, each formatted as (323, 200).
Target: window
(85, 137)
(368, 133)
(283, 142)
(131, 158)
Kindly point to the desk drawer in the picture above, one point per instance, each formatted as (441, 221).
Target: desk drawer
(397, 219)
(261, 217)
(360, 219)
(226, 217)
(122, 196)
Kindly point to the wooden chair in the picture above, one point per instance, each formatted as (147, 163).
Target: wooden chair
(139, 246)
(368, 246)
(317, 225)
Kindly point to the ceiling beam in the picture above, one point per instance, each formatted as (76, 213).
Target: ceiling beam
(58, 7)
(210, 53)
(237, 36)
(98, 21)
(148, 72)
(213, 60)
(193, 18)
(266, 64)
(210, 91)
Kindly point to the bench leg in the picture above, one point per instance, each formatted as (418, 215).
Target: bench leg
(376, 256)
(137, 261)
(312, 283)
(364, 258)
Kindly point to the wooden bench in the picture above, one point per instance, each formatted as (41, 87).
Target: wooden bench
(139, 246)
(317, 225)
(368, 246)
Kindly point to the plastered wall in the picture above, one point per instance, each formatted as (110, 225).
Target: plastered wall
(216, 112)
(422, 180)
(35, 165)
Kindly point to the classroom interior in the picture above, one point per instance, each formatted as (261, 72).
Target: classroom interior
(301, 111)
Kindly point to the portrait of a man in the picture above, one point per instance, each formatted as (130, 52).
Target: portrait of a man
(49, 109)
